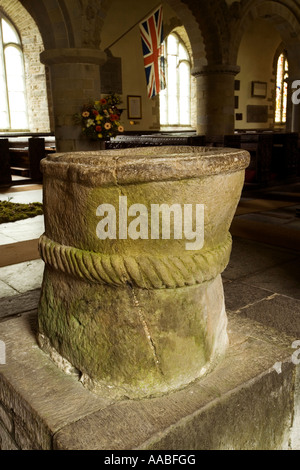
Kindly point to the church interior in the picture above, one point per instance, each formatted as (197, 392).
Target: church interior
(80, 108)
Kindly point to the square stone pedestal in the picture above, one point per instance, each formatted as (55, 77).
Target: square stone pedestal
(250, 400)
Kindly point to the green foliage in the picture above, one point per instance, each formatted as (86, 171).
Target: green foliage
(10, 211)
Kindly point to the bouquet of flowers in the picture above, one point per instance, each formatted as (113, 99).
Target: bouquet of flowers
(101, 120)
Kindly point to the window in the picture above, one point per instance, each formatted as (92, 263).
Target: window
(175, 100)
(13, 106)
(281, 89)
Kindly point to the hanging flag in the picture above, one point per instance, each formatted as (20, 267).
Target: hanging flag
(152, 41)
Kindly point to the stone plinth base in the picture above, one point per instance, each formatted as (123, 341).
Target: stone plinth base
(247, 402)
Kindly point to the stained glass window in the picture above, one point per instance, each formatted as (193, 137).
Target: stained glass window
(175, 100)
(13, 106)
(281, 89)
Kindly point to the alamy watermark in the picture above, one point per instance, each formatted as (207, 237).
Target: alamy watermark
(178, 221)
(295, 359)
(296, 94)
(2, 353)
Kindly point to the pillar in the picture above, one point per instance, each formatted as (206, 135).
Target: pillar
(215, 99)
(75, 80)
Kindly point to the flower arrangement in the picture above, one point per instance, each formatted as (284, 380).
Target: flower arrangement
(101, 120)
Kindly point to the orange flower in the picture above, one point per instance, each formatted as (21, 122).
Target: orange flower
(103, 101)
(85, 114)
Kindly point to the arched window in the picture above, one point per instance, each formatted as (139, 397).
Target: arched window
(281, 89)
(13, 106)
(175, 100)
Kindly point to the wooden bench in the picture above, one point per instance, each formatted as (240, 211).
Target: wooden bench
(286, 155)
(274, 155)
(22, 156)
(5, 173)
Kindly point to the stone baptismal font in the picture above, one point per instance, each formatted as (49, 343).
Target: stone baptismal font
(134, 246)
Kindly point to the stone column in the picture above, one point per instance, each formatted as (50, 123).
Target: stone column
(129, 299)
(75, 80)
(215, 95)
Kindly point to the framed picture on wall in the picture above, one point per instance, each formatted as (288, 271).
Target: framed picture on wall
(134, 107)
(259, 89)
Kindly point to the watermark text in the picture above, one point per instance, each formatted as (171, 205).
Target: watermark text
(166, 222)
(2, 353)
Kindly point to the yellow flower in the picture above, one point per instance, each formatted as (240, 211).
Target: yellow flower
(98, 117)
(100, 136)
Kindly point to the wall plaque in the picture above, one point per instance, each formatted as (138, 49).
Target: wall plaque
(257, 113)
(111, 76)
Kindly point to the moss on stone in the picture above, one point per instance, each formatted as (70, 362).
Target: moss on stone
(11, 211)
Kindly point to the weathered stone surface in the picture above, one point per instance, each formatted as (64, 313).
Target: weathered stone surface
(243, 404)
(141, 348)
(253, 259)
(55, 411)
(14, 276)
(6, 442)
(239, 295)
(6, 419)
(283, 278)
(42, 399)
(6, 290)
(278, 311)
(139, 315)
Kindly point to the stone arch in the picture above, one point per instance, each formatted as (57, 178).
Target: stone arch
(207, 24)
(68, 23)
(193, 30)
(37, 89)
(282, 17)
(54, 35)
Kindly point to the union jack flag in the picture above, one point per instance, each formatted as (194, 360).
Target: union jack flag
(152, 41)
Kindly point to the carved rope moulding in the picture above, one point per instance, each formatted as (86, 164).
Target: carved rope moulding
(144, 271)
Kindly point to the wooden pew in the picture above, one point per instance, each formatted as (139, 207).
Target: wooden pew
(232, 141)
(36, 153)
(286, 155)
(260, 147)
(5, 174)
(25, 154)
